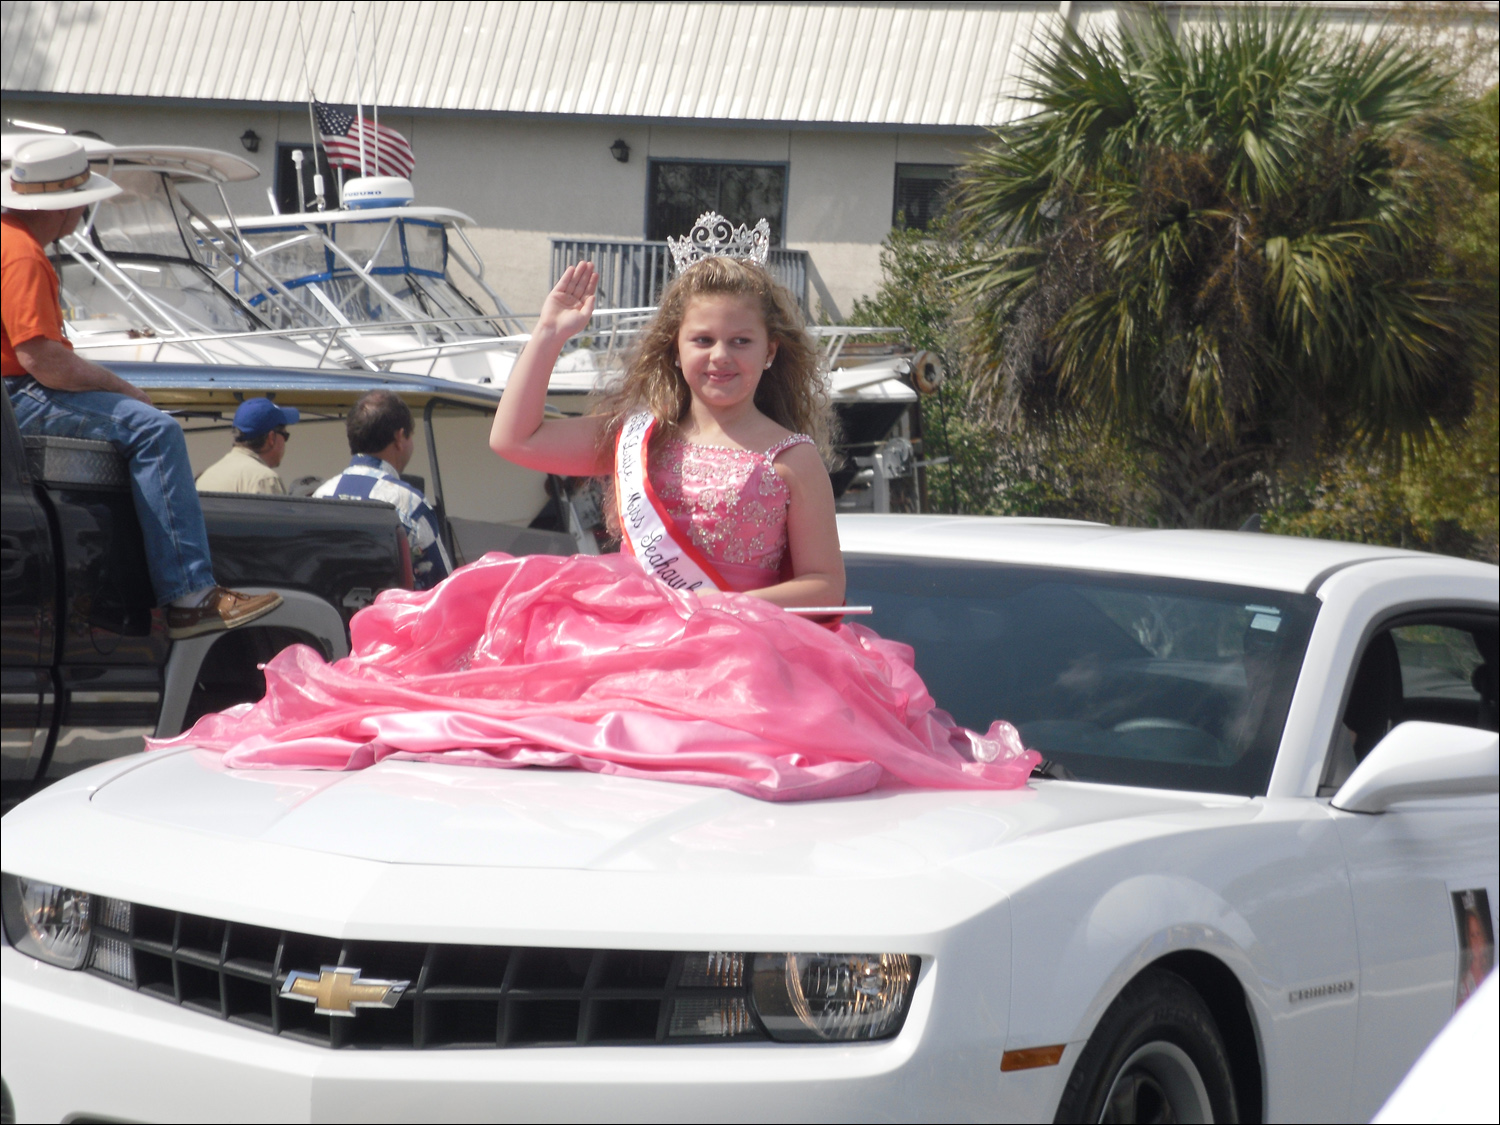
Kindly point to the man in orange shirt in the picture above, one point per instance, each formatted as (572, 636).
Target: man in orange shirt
(57, 392)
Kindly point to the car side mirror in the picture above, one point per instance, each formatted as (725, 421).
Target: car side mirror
(1422, 760)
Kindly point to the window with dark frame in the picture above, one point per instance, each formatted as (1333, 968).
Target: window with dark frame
(286, 180)
(680, 190)
(921, 194)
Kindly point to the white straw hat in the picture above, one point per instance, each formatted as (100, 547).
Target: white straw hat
(52, 174)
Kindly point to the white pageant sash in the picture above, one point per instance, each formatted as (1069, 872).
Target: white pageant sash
(647, 531)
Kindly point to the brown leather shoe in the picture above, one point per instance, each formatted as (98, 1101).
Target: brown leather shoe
(222, 609)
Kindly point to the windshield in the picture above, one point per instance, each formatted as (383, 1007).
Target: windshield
(407, 259)
(427, 298)
(1135, 681)
(183, 289)
(142, 219)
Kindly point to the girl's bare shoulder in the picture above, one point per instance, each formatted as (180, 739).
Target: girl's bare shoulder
(797, 461)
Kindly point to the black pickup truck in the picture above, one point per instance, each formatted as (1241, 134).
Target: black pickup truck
(88, 669)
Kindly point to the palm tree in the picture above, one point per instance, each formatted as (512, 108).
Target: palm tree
(1222, 241)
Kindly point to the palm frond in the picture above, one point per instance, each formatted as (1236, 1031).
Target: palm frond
(1194, 229)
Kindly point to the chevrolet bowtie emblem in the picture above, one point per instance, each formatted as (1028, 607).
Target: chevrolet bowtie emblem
(338, 990)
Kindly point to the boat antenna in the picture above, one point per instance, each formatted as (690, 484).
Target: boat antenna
(359, 92)
(375, 96)
(312, 122)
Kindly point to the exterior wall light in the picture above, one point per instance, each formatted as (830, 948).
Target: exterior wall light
(251, 140)
(620, 151)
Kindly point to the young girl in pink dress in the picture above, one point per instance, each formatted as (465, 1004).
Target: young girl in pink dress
(677, 659)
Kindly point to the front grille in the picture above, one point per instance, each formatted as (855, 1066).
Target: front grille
(460, 996)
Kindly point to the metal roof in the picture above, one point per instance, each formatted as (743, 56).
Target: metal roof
(902, 63)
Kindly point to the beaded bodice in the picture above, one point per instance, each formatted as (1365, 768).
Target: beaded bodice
(730, 501)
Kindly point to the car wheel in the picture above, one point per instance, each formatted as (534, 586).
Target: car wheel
(1156, 1056)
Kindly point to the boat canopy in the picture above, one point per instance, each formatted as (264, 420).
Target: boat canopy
(444, 215)
(183, 162)
(141, 267)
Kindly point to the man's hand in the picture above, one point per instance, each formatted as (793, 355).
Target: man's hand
(56, 366)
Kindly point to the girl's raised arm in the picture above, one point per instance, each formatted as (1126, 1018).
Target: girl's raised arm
(522, 433)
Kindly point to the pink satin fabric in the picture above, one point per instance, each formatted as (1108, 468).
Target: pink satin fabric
(588, 662)
(731, 503)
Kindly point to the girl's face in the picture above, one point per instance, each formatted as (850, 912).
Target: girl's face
(723, 348)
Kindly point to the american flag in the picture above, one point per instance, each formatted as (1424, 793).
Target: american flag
(340, 131)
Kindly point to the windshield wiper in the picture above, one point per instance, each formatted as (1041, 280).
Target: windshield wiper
(1056, 771)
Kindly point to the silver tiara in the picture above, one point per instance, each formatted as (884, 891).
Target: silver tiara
(714, 236)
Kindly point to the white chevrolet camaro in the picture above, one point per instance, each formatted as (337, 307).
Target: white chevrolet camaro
(1252, 879)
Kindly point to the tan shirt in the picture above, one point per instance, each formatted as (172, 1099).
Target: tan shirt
(241, 470)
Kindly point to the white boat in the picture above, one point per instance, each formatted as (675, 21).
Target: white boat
(155, 277)
(378, 272)
(140, 283)
(381, 275)
(379, 278)
(168, 272)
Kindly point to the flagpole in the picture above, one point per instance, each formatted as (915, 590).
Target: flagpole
(359, 93)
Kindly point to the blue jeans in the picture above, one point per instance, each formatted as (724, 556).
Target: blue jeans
(161, 476)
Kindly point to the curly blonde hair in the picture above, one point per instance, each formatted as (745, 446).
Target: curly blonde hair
(791, 391)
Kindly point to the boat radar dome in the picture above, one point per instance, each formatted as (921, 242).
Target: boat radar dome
(376, 191)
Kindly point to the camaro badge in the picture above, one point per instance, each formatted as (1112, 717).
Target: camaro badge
(338, 990)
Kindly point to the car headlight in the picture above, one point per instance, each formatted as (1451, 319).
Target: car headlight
(45, 921)
(832, 996)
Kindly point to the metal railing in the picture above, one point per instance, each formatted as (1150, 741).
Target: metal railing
(609, 335)
(346, 346)
(633, 274)
(337, 345)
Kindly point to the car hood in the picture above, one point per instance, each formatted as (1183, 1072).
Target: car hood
(423, 813)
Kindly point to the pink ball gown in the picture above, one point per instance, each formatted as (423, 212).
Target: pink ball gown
(589, 662)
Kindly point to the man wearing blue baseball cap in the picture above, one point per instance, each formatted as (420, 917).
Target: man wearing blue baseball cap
(260, 437)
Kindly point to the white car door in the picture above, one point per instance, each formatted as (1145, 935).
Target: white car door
(1423, 874)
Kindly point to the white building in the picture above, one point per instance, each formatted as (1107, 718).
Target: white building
(825, 117)
(552, 122)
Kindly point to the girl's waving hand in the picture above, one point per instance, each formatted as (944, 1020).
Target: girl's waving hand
(570, 306)
(522, 433)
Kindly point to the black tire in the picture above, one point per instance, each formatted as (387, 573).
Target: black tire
(1156, 1056)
